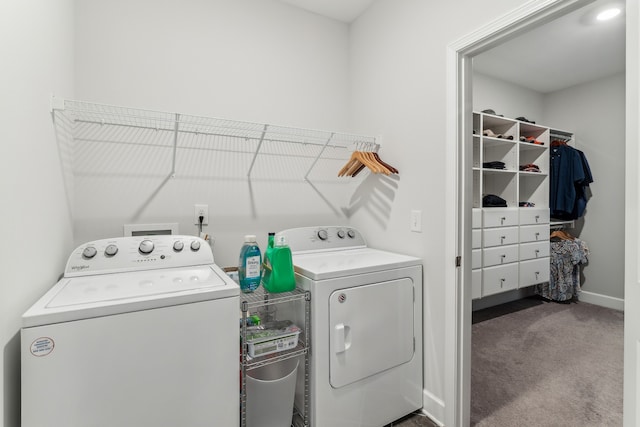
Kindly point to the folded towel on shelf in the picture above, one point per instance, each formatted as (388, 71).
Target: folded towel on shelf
(493, 201)
(494, 165)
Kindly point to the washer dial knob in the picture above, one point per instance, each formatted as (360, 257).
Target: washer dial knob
(322, 234)
(341, 234)
(146, 247)
(178, 245)
(195, 245)
(111, 250)
(351, 233)
(89, 252)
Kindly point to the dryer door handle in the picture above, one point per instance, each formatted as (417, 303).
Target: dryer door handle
(340, 338)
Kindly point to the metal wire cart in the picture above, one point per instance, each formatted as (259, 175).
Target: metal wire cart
(266, 305)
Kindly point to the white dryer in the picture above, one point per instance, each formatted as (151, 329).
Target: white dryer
(366, 328)
(140, 331)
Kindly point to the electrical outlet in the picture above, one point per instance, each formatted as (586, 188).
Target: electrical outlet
(198, 211)
(416, 221)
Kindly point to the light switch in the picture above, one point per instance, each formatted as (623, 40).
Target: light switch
(416, 221)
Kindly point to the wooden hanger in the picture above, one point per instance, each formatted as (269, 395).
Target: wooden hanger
(369, 159)
(350, 163)
(561, 234)
(388, 167)
(558, 142)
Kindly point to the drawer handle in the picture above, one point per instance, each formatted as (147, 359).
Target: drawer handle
(501, 282)
(537, 252)
(537, 217)
(502, 257)
(502, 239)
(537, 235)
(537, 274)
(502, 220)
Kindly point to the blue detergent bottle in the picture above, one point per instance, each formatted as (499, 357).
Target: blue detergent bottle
(249, 264)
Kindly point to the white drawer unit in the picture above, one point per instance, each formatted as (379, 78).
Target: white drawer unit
(476, 218)
(531, 216)
(499, 217)
(534, 271)
(499, 236)
(499, 279)
(476, 284)
(534, 250)
(476, 239)
(476, 258)
(534, 233)
(499, 255)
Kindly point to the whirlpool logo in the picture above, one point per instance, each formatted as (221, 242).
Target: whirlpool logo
(79, 267)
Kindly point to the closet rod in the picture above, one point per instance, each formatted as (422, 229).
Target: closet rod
(560, 134)
(561, 225)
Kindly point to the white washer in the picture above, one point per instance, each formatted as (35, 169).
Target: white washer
(140, 331)
(366, 328)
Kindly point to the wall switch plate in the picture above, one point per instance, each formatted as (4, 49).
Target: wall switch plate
(416, 221)
(198, 211)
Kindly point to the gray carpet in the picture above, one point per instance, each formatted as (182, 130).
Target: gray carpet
(548, 365)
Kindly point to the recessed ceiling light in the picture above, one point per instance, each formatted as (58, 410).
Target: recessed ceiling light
(608, 14)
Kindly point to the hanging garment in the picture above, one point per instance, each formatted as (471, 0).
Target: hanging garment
(564, 274)
(570, 176)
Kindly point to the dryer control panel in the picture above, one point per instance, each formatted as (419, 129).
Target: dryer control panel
(137, 253)
(306, 239)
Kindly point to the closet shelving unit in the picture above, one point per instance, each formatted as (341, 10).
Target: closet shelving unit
(263, 302)
(510, 247)
(250, 149)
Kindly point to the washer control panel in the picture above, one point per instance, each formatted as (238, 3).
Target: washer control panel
(322, 238)
(138, 253)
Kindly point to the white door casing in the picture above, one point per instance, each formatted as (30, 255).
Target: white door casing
(459, 185)
(631, 416)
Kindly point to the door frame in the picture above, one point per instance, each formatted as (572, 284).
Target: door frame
(457, 378)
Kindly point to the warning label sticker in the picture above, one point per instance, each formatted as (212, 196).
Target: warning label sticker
(42, 346)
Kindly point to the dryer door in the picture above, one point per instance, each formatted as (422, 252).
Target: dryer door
(371, 330)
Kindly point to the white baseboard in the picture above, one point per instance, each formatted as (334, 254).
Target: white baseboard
(601, 300)
(433, 407)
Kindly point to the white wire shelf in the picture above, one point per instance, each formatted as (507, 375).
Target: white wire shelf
(93, 131)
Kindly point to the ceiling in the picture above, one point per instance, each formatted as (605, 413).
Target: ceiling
(341, 10)
(570, 50)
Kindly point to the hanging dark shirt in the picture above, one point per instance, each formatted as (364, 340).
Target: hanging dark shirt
(567, 172)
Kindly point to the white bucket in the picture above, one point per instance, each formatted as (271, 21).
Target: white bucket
(270, 393)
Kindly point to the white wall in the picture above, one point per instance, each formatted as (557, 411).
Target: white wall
(36, 44)
(398, 78)
(506, 98)
(255, 60)
(595, 111)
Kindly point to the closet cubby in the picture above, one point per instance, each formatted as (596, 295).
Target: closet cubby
(534, 188)
(502, 184)
(499, 126)
(538, 133)
(500, 150)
